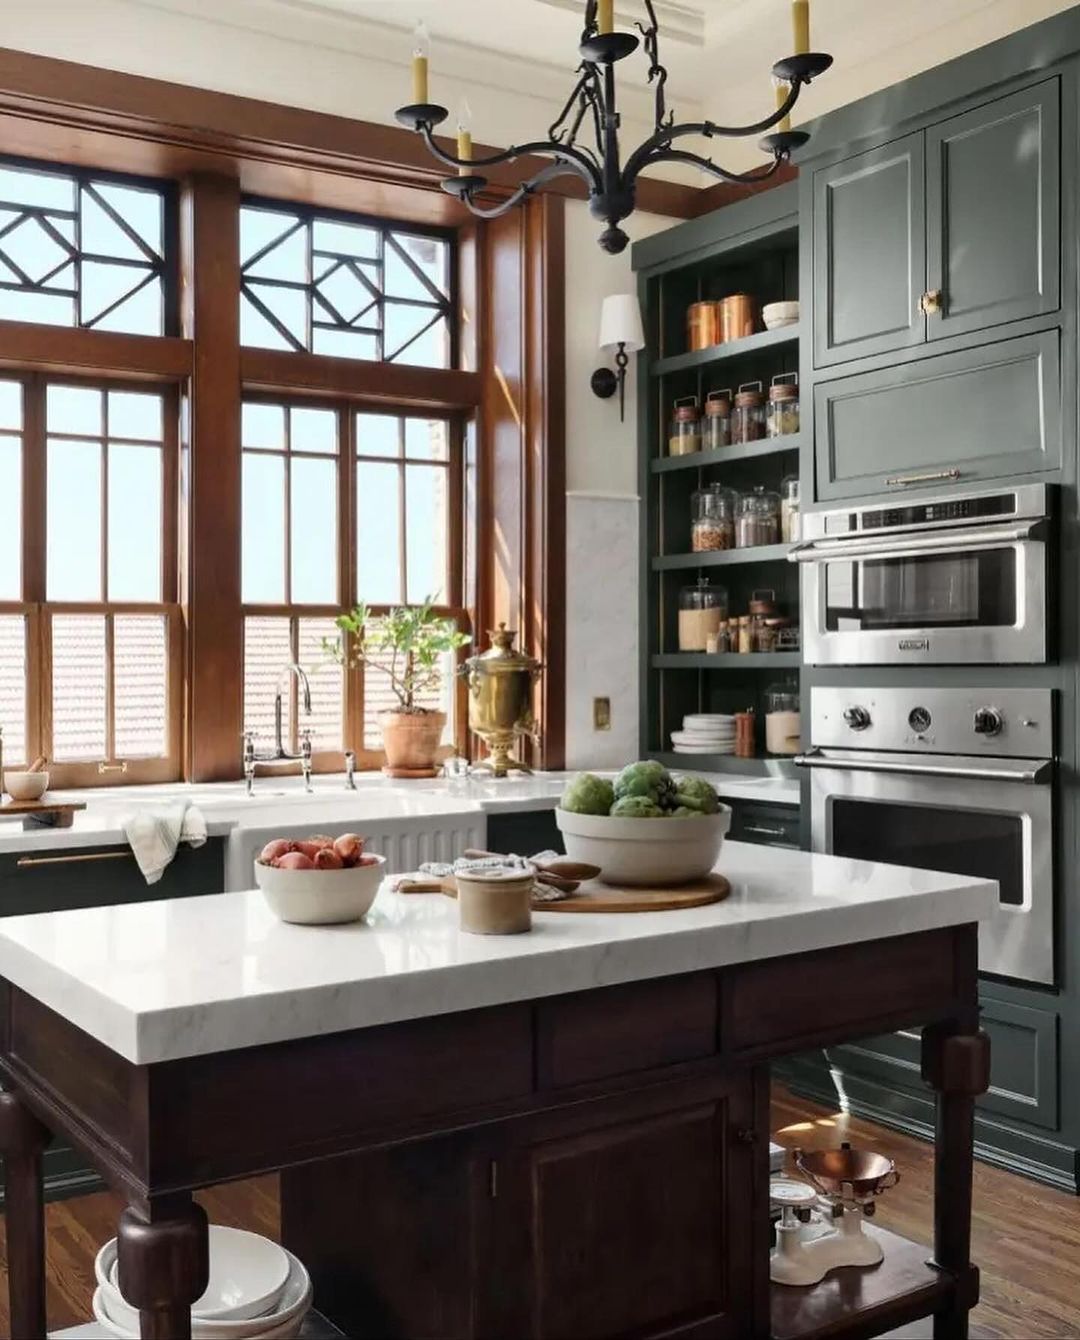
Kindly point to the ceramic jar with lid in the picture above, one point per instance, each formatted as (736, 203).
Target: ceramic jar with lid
(748, 416)
(685, 437)
(782, 413)
(783, 728)
(789, 509)
(713, 525)
(716, 425)
(758, 520)
(763, 615)
(702, 608)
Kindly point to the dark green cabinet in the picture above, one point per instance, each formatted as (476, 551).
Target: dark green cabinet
(979, 414)
(768, 825)
(939, 233)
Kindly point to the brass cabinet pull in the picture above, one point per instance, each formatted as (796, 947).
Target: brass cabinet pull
(930, 302)
(111, 767)
(26, 861)
(902, 481)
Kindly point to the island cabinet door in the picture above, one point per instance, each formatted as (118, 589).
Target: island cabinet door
(993, 213)
(869, 263)
(633, 1216)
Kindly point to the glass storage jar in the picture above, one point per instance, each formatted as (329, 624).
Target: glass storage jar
(789, 509)
(758, 520)
(702, 608)
(685, 435)
(783, 728)
(716, 425)
(782, 414)
(713, 525)
(748, 416)
(763, 611)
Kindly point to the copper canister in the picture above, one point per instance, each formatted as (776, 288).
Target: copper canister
(738, 316)
(702, 325)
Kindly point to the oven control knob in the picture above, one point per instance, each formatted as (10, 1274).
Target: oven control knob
(988, 721)
(858, 718)
(919, 720)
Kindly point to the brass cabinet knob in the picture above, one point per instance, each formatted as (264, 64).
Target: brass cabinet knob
(930, 302)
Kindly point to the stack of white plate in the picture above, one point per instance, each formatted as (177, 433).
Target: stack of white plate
(257, 1291)
(705, 733)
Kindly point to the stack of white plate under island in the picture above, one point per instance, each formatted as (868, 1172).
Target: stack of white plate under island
(257, 1291)
(705, 733)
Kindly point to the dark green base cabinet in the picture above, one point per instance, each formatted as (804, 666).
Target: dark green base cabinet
(52, 880)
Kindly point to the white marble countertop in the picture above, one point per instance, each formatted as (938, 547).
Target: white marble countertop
(184, 977)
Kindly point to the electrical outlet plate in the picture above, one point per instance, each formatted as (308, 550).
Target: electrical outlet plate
(601, 713)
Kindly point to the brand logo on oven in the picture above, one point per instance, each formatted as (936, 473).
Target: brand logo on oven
(914, 644)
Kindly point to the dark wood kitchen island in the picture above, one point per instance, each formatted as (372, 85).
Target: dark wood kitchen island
(559, 1135)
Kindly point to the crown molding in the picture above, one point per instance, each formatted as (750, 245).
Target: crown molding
(679, 21)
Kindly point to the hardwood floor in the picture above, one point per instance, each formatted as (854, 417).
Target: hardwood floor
(1026, 1237)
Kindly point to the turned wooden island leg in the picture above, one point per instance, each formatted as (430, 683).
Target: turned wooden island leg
(957, 1064)
(164, 1264)
(22, 1140)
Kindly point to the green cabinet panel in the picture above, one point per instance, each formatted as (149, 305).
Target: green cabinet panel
(985, 413)
(769, 825)
(869, 254)
(993, 212)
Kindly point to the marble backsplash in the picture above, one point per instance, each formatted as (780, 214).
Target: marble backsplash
(601, 627)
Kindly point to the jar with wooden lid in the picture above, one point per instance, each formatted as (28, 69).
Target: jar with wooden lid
(702, 325)
(702, 608)
(758, 520)
(783, 726)
(748, 416)
(744, 643)
(789, 509)
(713, 525)
(782, 413)
(716, 425)
(685, 436)
(762, 608)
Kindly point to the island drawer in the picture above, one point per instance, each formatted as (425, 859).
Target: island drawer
(624, 1029)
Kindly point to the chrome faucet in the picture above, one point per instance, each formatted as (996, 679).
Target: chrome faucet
(350, 770)
(280, 753)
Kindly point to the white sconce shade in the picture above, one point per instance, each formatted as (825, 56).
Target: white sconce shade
(620, 323)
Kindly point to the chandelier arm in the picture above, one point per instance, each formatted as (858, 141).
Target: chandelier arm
(527, 188)
(651, 39)
(553, 129)
(569, 158)
(707, 165)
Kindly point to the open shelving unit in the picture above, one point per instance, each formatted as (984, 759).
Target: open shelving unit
(751, 247)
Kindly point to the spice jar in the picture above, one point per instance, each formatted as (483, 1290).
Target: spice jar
(782, 415)
(685, 435)
(713, 525)
(762, 609)
(744, 644)
(723, 637)
(789, 509)
(783, 729)
(716, 425)
(758, 519)
(702, 608)
(748, 417)
(702, 325)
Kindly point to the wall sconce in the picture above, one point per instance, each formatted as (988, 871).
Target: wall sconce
(620, 329)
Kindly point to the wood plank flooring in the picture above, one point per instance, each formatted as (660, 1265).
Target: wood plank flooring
(1026, 1237)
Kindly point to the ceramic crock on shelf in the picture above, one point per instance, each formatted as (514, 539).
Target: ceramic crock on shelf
(500, 700)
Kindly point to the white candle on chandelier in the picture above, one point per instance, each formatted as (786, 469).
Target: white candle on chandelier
(783, 90)
(464, 136)
(605, 16)
(421, 49)
(800, 24)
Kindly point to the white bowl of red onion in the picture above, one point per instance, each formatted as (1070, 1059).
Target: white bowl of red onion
(319, 881)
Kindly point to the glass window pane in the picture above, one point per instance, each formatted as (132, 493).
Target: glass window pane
(13, 687)
(141, 208)
(263, 530)
(313, 430)
(313, 531)
(79, 686)
(73, 529)
(327, 684)
(378, 530)
(135, 414)
(263, 426)
(427, 439)
(255, 331)
(430, 255)
(287, 305)
(11, 405)
(10, 520)
(103, 235)
(140, 680)
(140, 314)
(42, 309)
(74, 409)
(348, 239)
(49, 190)
(34, 250)
(135, 522)
(426, 540)
(345, 344)
(377, 435)
(267, 650)
(261, 227)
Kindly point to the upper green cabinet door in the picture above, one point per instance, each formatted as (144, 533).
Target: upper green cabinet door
(870, 252)
(992, 213)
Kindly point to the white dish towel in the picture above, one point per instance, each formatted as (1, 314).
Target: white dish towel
(155, 835)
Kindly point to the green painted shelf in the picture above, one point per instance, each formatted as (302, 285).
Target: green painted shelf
(727, 352)
(722, 558)
(732, 660)
(744, 451)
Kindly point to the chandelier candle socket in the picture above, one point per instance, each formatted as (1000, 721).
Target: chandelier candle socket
(583, 140)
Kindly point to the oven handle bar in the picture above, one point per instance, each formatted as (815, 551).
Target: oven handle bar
(971, 537)
(1034, 773)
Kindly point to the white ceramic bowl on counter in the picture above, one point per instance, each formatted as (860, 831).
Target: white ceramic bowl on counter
(645, 852)
(320, 897)
(26, 785)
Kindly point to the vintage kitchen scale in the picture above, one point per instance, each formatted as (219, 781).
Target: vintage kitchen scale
(848, 1180)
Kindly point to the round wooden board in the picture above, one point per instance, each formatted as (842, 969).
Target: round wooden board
(596, 897)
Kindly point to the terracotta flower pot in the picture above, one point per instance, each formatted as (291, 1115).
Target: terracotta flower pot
(411, 741)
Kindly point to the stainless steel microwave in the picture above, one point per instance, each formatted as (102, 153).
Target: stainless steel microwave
(954, 579)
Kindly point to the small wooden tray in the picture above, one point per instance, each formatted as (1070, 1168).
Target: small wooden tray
(42, 813)
(593, 896)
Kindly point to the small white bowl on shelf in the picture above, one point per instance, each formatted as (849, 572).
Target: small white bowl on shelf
(320, 897)
(26, 785)
(779, 314)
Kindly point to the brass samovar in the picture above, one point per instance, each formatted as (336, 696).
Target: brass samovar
(500, 701)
